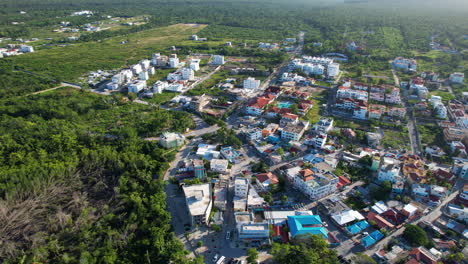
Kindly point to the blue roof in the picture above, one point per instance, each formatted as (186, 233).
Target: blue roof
(306, 224)
(363, 224)
(368, 241)
(357, 227)
(273, 139)
(354, 229)
(376, 235)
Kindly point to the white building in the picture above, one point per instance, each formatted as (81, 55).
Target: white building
(218, 60)
(293, 132)
(151, 70)
(199, 203)
(251, 83)
(346, 92)
(159, 87)
(254, 134)
(154, 58)
(194, 37)
(181, 74)
(324, 125)
(136, 86)
(441, 111)
(195, 64)
(360, 113)
(313, 184)
(253, 232)
(319, 140)
(143, 76)
(241, 187)
(26, 49)
(174, 87)
(118, 78)
(389, 170)
(136, 69)
(457, 77)
(405, 64)
(333, 70)
(171, 140)
(187, 74)
(145, 64)
(219, 165)
(128, 74)
(174, 62)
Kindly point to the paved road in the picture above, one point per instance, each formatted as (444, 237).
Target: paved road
(432, 216)
(412, 127)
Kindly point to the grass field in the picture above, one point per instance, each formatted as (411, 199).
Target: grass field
(431, 134)
(396, 139)
(446, 96)
(69, 63)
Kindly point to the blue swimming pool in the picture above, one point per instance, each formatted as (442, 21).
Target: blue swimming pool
(284, 104)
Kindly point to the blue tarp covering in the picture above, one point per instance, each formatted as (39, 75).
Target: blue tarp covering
(354, 229)
(357, 227)
(368, 241)
(362, 224)
(376, 235)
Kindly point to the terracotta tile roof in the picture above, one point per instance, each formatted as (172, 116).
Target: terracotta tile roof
(262, 177)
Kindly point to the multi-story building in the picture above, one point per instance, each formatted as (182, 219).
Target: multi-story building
(26, 49)
(289, 119)
(346, 92)
(316, 66)
(333, 70)
(392, 99)
(313, 183)
(219, 165)
(136, 69)
(405, 64)
(174, 62)
(457, 145)
(324, 125)
(319, 140)
(174, 87)
(460, 168)
(251, 83)
(375, 113)
(360, 112)
(456, 111)
(143, 76)
(256, 105)
(389, 172)
(159, 87)
(254, 134)
(136, 86)
(198, 202)
(145, 64)
(194, 64)
(457, 77)
(241, 187)
(379, 97)
(199, 171)
(293, 132)
(361, 86)
(218, 59)
(399, 112)
(171, 140)
(440, 110)
(254, 232)
(181, 74)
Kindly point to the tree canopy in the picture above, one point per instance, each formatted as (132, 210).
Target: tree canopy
(304, 250)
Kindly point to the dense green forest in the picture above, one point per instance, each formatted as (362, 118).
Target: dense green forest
(78, 184)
